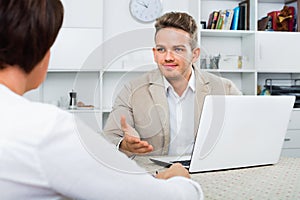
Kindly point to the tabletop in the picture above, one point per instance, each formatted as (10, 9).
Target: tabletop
(279, 181)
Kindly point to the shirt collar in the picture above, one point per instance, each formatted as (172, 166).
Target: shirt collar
(191, 83)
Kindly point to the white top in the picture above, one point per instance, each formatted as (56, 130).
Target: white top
(46, 153)
(181, 110)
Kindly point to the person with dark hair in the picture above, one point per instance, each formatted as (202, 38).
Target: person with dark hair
(160, 111)
(45, 152)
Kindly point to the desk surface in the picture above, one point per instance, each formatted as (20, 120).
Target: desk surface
(279, 181)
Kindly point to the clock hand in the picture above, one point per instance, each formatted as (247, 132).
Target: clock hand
(142, 4)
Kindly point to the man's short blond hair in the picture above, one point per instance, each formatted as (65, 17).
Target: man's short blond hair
(179, 20)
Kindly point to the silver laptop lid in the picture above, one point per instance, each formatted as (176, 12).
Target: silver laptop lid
(240, 131)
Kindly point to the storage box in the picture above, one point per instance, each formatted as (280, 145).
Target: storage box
(229, 62)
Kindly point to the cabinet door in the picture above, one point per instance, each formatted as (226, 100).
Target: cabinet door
(87, 13)
(292, 139)
(294, 123)
(290, 153)
(73, 46)
(278, 51)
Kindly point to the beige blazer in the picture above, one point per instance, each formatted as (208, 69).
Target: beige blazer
(143, 102)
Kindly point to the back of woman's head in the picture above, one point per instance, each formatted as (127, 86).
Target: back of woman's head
(28, 29)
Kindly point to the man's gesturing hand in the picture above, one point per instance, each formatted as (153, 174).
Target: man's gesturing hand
(131, 141)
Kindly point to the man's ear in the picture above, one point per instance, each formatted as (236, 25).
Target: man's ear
(196, 54)
(154, 54)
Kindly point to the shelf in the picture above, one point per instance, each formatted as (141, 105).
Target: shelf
(72, 70)
(221, 0)
(272, 1)
(276, 71)
(225, 33)
(230, 70)
(127, 70)
(133, 66)
(106, 109)
(278, 32)
(81, 110)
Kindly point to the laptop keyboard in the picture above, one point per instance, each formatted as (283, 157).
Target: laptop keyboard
(183, 162)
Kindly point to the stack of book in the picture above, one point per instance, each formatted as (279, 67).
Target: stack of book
(231, 19)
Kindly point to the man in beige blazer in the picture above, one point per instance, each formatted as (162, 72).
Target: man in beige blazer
(159, 112)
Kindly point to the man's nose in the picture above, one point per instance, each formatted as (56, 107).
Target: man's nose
(169, 55)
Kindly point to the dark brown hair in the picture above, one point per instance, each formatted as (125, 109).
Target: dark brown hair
(28, 28)
(179, 20)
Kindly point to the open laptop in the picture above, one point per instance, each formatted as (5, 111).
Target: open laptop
(236, 132)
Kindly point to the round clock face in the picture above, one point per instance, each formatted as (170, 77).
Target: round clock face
(145, 10)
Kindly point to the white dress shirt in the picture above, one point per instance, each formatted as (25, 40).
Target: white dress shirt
(47, 154)
(181, 110)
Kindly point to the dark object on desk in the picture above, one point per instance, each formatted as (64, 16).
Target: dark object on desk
(203, 24)
(73, 100)
(186, 163)
(289, 87)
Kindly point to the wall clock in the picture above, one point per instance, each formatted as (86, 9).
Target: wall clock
(145, 10)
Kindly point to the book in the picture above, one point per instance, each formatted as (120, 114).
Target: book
(235, 20)
(210, 20)
(246, 9)
(228, 19)
(221, 17)
(215, 19)
(242, 17)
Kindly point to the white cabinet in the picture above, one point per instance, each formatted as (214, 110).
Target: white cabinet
(80, 14)
(291, 147)
(81, 34)
(73, 47)
(278, 51)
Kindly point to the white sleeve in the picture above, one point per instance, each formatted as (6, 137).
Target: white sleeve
(78, 163)
(194, 192)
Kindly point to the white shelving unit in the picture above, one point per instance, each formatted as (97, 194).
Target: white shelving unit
(81, 34)
(269, 56)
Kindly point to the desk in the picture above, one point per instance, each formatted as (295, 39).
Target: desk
(279, 181)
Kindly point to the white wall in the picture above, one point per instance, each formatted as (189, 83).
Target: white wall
(117, 18)
(118, 21)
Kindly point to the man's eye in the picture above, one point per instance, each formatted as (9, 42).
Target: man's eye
(179, 49)
(160, 49)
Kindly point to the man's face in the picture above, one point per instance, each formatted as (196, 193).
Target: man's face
(173, 53)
